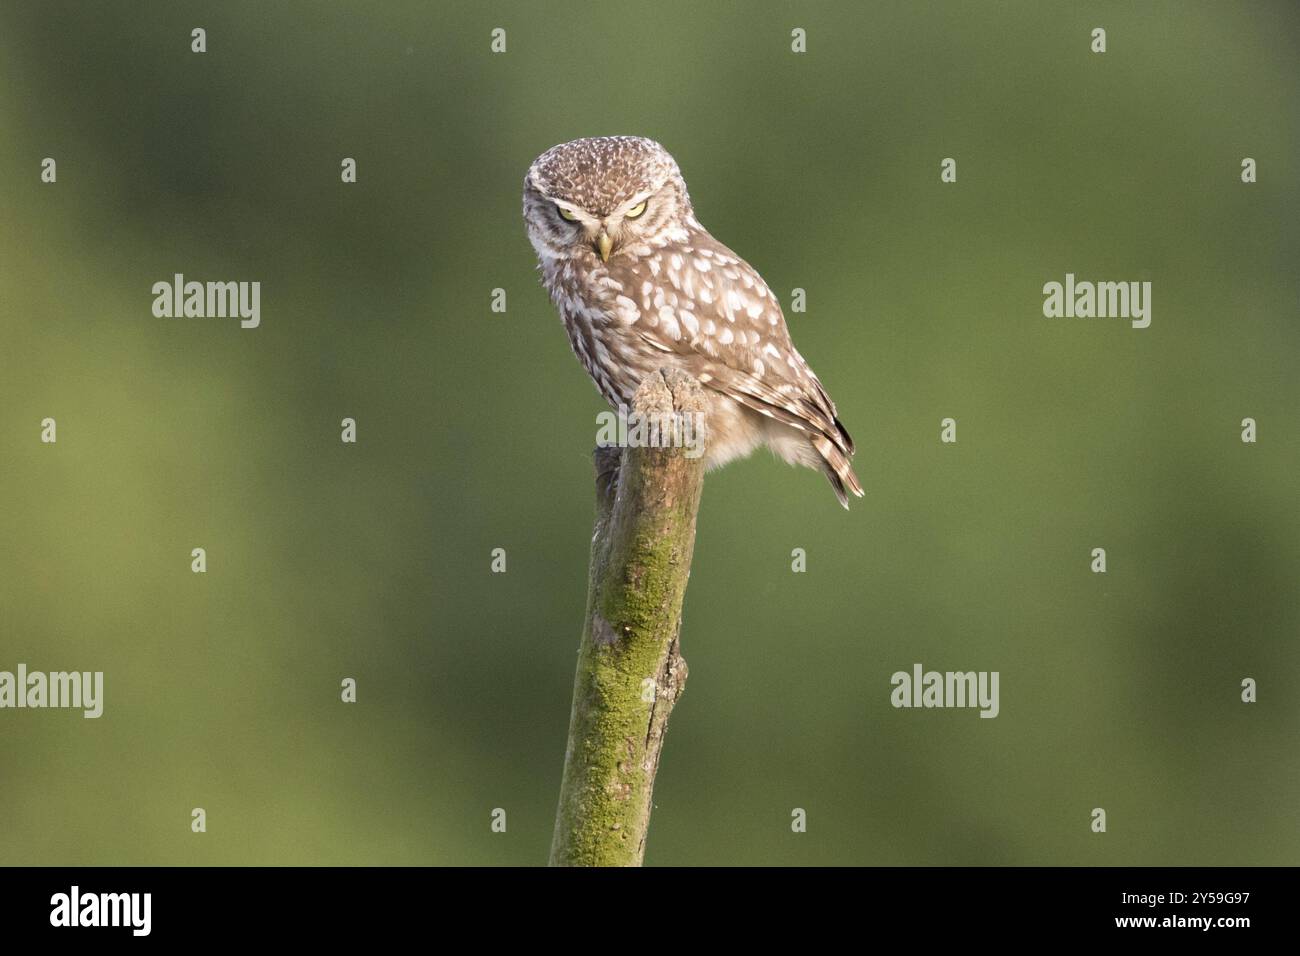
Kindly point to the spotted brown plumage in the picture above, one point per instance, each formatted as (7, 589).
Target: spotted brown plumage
(640, 285)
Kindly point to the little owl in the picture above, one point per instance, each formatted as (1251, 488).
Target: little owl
(641, 285)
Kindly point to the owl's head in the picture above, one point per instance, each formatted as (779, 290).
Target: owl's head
(602, 195)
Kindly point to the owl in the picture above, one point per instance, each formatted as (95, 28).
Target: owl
(641, 285)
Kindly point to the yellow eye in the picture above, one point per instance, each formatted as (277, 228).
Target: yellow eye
(635, 210)
(566, 215)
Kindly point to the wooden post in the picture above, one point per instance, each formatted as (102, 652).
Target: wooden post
(630, 669)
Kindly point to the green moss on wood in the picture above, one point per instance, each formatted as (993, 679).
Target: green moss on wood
(640, 561)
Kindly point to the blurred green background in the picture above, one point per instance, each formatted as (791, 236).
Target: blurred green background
(371, 560)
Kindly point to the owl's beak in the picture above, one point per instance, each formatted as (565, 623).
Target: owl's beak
(604, 244)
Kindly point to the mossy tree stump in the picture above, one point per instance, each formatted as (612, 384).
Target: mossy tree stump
(630, 669)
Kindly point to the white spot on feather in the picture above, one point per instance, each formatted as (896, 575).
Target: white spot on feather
(626, 310)
(668, 322)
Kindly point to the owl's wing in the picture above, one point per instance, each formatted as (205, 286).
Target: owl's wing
(714, 311)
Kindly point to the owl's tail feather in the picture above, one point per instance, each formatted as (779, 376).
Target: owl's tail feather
(838, 470)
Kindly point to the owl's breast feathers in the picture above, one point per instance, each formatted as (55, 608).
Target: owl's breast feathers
(694, 304)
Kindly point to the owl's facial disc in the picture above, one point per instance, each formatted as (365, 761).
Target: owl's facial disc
(595, 229)
(625, 188)
(607, 232)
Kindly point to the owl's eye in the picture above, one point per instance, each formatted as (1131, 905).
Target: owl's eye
(635, 211)
(566, 215)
